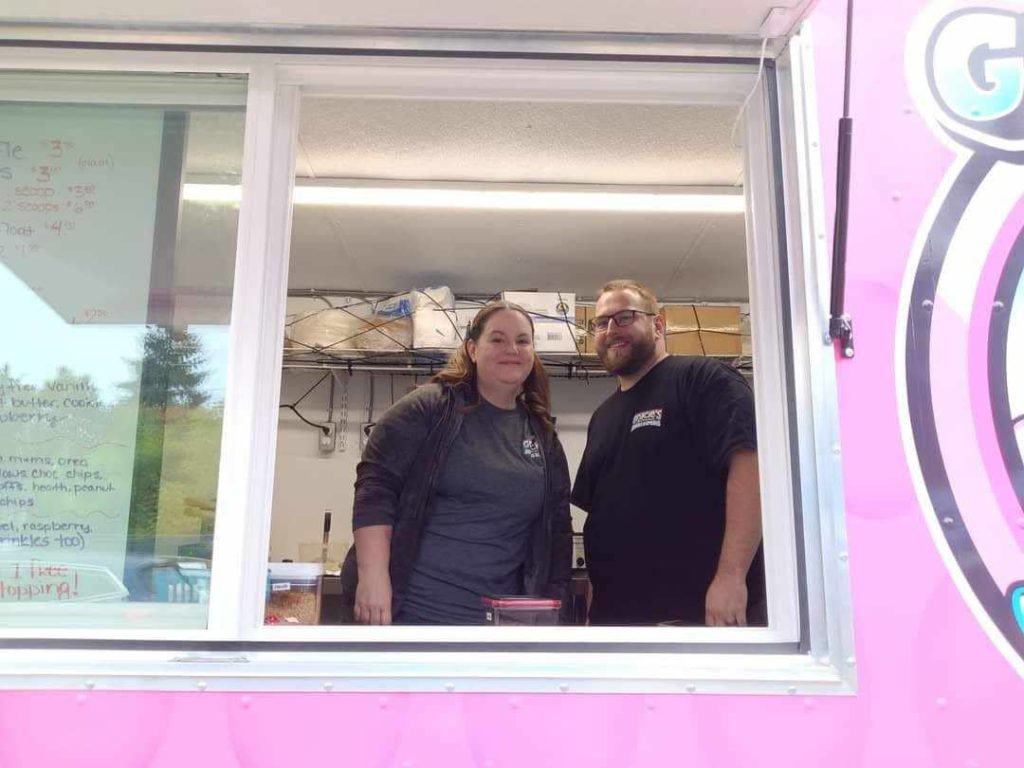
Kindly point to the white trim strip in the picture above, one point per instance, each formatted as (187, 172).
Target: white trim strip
(767, 341)
(433, 672)
(253, 348)
(830, 612)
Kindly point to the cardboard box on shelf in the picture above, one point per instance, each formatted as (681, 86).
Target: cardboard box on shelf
(554, 318)
(464, 314)
(720, 330)
(584, 314)
(684, 343)
(679, 317)
(702, 330)
(556, 336)
(450, 325)
(544, 305)
(681, 337)
(747, 349)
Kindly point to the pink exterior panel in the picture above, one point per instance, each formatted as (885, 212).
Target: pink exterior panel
(935, 690)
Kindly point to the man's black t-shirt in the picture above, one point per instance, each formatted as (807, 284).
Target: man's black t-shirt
(652, 481)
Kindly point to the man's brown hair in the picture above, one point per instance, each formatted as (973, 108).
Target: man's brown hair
(647, 298)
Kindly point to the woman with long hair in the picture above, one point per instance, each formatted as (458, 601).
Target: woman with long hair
(463, 488)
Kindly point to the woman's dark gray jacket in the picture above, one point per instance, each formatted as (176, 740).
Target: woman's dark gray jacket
(397, 479)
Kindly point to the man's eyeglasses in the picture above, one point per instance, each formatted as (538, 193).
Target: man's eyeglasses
(622, 319)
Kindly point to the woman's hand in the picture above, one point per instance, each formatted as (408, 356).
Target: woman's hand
(373, 599)
(373, 592)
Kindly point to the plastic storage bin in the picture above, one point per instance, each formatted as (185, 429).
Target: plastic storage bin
(521, 610)
(293, 593)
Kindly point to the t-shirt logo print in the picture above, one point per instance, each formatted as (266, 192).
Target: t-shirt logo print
(651, 418)
(531, 449)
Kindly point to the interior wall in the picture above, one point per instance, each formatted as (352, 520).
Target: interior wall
(308, 482)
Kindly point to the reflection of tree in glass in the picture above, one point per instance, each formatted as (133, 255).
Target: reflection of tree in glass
(171, 370)
(173, 472)
(66, 380)
(177, 444)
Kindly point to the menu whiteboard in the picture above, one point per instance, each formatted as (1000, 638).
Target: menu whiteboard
(78, 205)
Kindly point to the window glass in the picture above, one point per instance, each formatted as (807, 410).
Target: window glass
(116, 289)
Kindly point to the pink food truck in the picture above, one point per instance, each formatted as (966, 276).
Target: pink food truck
(233, 236)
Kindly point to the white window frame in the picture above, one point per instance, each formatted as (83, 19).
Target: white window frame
(591, 82)
(819, 656)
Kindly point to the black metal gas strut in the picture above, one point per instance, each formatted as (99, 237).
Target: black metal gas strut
(840, 324)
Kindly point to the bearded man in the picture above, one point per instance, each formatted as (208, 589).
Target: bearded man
(669, 479)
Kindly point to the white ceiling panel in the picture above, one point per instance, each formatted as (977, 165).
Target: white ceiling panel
(518, 142)
(715, 267)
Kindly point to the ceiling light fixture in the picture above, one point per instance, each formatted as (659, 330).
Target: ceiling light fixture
(502, 198)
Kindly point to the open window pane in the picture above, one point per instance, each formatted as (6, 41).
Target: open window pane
(116, 307)
(412, 210)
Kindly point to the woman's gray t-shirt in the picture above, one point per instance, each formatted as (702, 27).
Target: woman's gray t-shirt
(489, 495)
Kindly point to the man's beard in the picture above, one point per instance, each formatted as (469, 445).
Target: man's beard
(640, 353)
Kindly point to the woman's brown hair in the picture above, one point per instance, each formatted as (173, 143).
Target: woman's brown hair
(460, 369)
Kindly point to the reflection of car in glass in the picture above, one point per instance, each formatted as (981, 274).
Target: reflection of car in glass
(168, 578)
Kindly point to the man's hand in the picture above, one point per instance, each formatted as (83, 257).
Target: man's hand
(373, 599)
(725, 604)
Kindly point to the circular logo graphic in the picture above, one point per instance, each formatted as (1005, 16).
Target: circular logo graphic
(960, 350)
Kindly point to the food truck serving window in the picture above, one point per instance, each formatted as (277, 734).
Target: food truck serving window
(222, 283)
